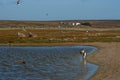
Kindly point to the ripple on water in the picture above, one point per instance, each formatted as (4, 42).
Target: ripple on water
(45, 63)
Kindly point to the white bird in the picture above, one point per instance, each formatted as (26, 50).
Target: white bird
(84, 54)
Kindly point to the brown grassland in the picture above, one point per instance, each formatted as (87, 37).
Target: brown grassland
(59, 36)
(55, 32)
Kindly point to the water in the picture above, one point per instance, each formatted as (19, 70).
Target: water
(45, 63)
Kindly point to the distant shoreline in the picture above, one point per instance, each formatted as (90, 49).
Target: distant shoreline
(66, 20)
(59, 23)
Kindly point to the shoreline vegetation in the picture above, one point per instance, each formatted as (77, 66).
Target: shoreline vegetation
(102, 34)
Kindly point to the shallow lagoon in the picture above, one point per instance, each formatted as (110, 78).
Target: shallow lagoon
(45, 63)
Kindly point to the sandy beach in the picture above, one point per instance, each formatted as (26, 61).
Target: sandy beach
(107, 57)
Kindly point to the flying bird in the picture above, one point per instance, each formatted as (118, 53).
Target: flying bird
(18, 2)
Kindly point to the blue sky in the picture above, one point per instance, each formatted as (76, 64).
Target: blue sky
(59, 9)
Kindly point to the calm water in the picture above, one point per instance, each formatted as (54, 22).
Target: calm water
(45, 63)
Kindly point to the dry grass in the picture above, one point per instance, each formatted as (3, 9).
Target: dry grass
(56, 35)
(49, 32)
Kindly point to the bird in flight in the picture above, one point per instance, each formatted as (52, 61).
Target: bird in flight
(18, 2)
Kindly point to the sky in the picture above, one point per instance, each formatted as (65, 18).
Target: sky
(40, 10)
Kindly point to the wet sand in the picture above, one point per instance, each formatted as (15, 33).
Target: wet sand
(107, 57)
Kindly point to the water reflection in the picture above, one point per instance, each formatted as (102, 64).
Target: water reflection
(45, 63)
(84, 62)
